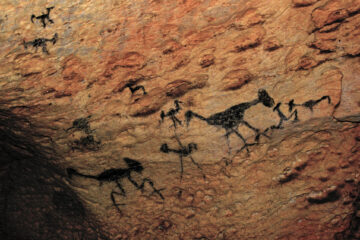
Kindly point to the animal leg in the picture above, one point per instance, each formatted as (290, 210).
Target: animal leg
(142, 88)
(198, 166)
(181, 167)
(43, 22)
(175, 120)
(120, 188)
(114, 202)
(157, 191)
(44, 49)
(292, 114)
(243, 139)
(141, 186)
(279, 126)
(228, 132)
(257, 131)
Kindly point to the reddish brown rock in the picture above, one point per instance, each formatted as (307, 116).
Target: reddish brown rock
(250, 39)
(247, 19)
(171, 46)
(301, 3)
(235, 79)
(73, 69)
(207, 60)
(334, 11)
(272, 44)
(202, 64)
(179, 87)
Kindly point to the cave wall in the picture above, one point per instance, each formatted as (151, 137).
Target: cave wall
(143, 80)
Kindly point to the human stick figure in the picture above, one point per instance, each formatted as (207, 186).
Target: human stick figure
(184, 151)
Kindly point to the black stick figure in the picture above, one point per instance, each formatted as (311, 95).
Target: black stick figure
(172, 112)
(134, 89)
(41, 42)
(308, 104)
(282, 117)
(233, 116)
(182, 152)
(43, 17)
(115, 175)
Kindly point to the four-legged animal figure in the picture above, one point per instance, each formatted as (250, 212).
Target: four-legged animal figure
(43, 17)
(233, 116)
(116, 174)
(308, 104)
(41, 42)
(134, 89)
(182, 152)
(172, 112)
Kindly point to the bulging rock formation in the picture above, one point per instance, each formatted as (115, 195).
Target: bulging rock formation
(180, 119)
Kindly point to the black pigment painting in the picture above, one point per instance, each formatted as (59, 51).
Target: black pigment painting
(41, 42)
(116, 175)
(231, 118)
(172, 113)
(183, 151)
(43, 18)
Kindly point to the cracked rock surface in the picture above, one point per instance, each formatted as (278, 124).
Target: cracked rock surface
(180, 119)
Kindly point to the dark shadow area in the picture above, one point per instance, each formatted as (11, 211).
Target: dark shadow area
(352, 232)
(35, 203)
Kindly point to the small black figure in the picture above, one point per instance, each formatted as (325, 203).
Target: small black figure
(115, 175)
(81, 124)
(182, 152)
(41, 42)
(172, 112)
(308, 104)
(43, 17)
(233, 116)
(134, 89)
(282, 117)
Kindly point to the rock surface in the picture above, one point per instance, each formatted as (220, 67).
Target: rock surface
(143, 80)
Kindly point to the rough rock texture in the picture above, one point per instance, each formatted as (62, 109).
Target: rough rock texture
(142, 80)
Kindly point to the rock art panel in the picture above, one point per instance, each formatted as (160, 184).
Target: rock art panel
(252, 105)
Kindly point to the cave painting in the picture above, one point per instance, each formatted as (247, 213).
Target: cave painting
(232, 117)
(43, 17)
(134, 88)
(171, 113)
(308, 104)
(41, 42)
(115, 175)
(184, 151)
(282, 117)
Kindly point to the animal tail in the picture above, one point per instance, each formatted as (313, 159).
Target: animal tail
(190, 114)
(71, 172)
